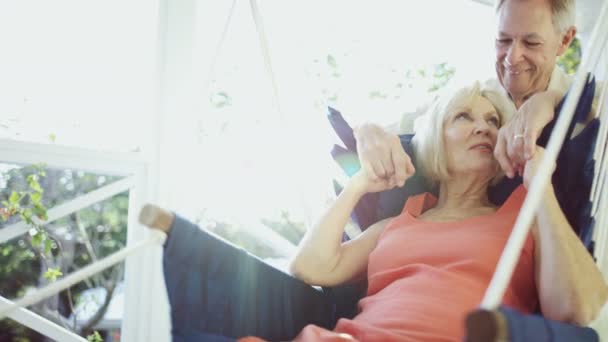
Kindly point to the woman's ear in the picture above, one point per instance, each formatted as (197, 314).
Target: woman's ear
(566, 40)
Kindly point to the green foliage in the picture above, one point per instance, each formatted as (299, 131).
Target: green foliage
(442, 73)
(31, 260)
(402, 79)
(52, 274)
(94, 337)
(571, 59)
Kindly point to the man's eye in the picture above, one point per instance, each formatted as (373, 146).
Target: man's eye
(532, 44)
(503, 41)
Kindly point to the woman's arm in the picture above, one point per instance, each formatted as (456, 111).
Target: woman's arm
(571, 288)
(322, 258)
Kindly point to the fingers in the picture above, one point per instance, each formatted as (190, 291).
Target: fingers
(368, 167)
(515, 149)
(382, 157)
(402, 163)
(374, 147)
(500, 153)
(530, 137)
(385, 158)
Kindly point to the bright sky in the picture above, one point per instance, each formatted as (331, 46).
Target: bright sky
(82, 71)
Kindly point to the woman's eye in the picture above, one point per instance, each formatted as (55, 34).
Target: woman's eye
(494, 121)
(463, 115)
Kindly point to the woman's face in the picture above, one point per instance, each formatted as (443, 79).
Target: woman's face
(470, 133)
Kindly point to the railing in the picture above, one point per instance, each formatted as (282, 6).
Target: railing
(142, 266)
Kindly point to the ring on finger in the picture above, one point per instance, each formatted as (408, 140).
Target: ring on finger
(518, 136)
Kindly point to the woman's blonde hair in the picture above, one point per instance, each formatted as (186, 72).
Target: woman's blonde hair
(428, 140)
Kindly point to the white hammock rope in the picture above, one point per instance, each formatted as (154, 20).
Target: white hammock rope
(600, 224)
(157, 238)
(510, 256)
(598, 191)
(218, 48)
(600, 151)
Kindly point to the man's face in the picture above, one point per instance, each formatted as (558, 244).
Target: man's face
(527, 46)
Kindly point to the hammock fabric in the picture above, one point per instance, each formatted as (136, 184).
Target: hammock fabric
(219, 292)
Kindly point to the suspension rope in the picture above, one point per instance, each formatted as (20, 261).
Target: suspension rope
(259, 26)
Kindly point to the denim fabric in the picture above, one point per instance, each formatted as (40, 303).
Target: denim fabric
(216, 288)
(535, 328)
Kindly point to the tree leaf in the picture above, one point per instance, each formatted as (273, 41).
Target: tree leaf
(14, 198)
(94, 337)
(331, 61)
(48, 246)
(36, 197)
(37, 239)
(52, 274)
(40, 211)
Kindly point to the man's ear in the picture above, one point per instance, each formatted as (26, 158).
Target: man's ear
(566, 40)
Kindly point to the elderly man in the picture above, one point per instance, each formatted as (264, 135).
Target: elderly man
(530, 36)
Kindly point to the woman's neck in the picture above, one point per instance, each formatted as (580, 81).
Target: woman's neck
(459, 193)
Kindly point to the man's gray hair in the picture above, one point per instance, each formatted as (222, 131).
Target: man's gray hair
(563, 13)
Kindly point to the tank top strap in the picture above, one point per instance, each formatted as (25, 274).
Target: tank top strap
(416, 205)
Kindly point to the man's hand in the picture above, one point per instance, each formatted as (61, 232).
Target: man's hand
(381, 155)
(516, 142)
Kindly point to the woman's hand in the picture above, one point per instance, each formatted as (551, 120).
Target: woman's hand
(364, 181)
(532, 165)
(381, 154)
(570, 286)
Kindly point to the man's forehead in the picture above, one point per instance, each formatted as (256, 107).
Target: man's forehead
(524, 35)
(524, 18)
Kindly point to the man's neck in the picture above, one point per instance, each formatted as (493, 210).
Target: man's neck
(520, 99)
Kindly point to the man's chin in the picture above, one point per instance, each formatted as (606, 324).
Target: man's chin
(515, 88)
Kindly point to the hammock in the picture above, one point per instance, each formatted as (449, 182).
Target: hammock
(265, 302)
(219, 292)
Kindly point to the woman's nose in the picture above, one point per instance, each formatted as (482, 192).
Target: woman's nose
(482, 127)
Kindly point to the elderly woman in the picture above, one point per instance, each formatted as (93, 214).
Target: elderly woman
(430, 265)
